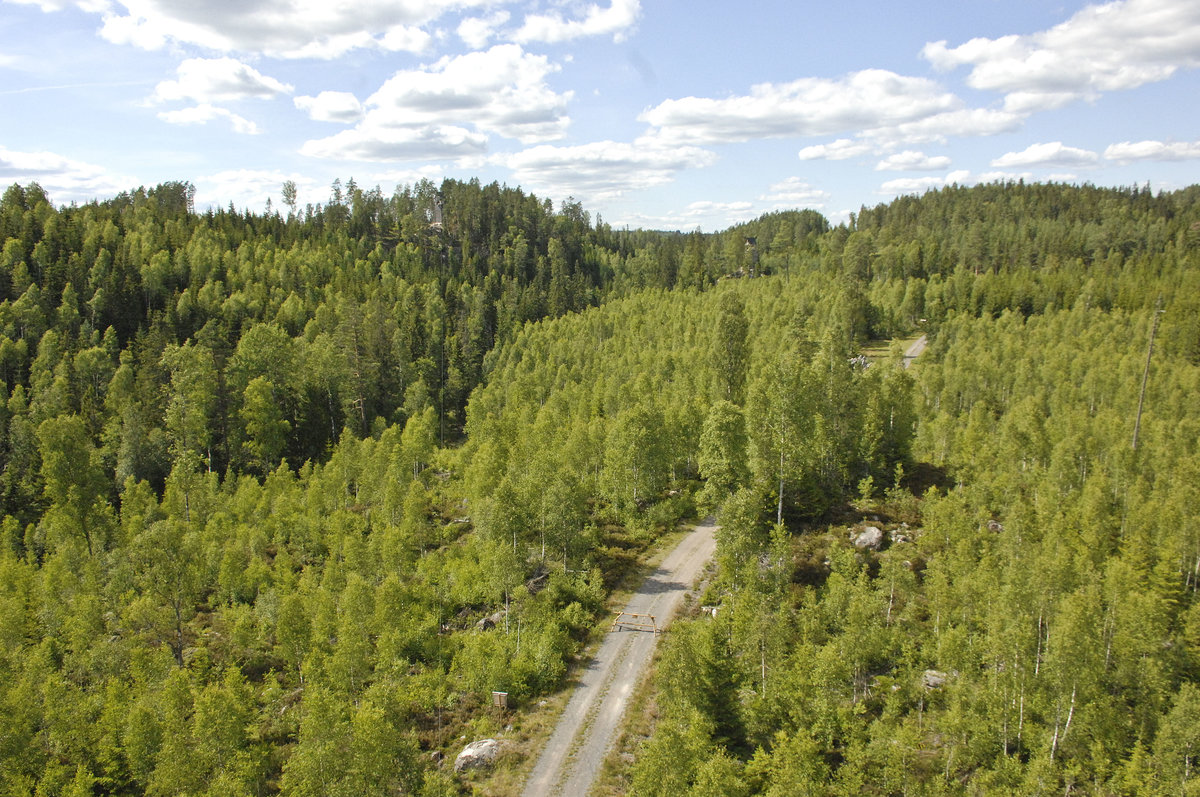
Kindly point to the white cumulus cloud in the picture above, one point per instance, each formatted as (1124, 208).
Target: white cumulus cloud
(842, 149)
(217, 80)
(940, 127)
(913, 161)
(405, 38)
(936, 128)
(1128, 151)
(918, 185)
(706, 207)
(205, 113)
(501, 90)
(432, 142)
(807, 107)
(449, 109)
(331, 106)
(44, 5)
(1053, 153)
(64, 179)
(617, 19)
(477, 32)
(328, 29)
(602, 169)
(1108, 47)
(277, 28)
(795, 192)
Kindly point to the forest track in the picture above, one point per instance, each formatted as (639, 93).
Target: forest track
(914, 351)
(571, 759)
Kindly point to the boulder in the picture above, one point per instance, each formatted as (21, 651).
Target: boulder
(870, 538)
(933, 679)
(490, 622)
(995, 526)
(477, 755)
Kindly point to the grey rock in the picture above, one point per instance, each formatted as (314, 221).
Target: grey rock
(933, 679)
(477, 755)
(490, 622)
(870, 538)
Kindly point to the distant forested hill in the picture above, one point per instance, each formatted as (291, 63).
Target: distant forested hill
(284, 497)
(355, 315)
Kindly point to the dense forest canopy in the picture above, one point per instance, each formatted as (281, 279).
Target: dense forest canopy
(285, 496)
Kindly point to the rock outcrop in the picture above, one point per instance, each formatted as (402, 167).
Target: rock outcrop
(870, 538)
(477, 755)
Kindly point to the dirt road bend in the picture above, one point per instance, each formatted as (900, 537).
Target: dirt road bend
(571, 759)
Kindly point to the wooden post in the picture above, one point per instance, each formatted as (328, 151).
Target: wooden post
(638, 621)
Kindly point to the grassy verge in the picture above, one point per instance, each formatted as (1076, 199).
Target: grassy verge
(615, 775)
(879, 349)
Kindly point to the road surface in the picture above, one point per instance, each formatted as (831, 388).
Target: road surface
(914, 350)
(571, 759)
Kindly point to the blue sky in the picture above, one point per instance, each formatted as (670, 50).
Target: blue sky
(663, 114)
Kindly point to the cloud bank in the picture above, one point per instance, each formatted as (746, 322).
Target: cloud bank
(1111, 47)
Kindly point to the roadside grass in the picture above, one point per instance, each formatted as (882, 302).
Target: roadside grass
(615, 776)
(880, 348)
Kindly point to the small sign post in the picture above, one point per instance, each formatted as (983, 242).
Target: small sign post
(500, 700)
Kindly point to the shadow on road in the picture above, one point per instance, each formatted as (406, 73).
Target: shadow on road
(658, 583)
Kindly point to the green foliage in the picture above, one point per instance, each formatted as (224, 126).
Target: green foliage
(284, 499)
(635, 466)
(1048, 588)
(266, 429)
(670, 762)
(75, 484)
(730, 347)
(1046, 594)
(722, 455)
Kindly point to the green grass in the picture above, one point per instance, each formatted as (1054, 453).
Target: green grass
(875, 350)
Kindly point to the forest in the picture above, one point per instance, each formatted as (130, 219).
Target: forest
(287, 495)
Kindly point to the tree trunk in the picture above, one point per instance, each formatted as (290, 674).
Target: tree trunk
(779, 508)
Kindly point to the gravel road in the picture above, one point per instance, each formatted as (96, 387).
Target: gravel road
(914, 351)
(571, 759)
